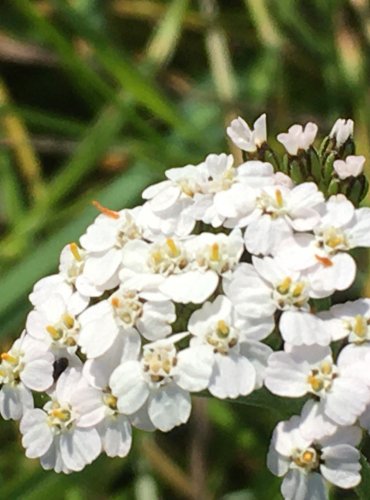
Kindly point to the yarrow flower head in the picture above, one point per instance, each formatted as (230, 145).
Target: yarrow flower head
(219, 284)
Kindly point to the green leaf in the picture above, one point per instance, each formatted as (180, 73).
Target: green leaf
(285, 407)
(363, 488)
(321, 304)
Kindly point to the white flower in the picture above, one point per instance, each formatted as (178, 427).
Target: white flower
(177, 222)
(239, 359)
(182, 182)
(250, 296)
(97, 372)
(246, 138)
(69, 282)
(162, 379)
(298, 139)
(341, 131)
(104, 241)
(60, 284)
(341, 387)
(218, 190)
(185, 271)
(352, 166)
(323, 255)
(231, 195)
(168, 211)
(217, 252)
(235, 204)
(162, 270)
(220, 175)
(53, 433)
(98, 406)
(124, 314)
(55, 322)
(25, 367)
(71, 267)
(283, 180)
(351, 320)
(100, 329)
(298, 328)
(306, 462)
(280, 211)
(258, 291)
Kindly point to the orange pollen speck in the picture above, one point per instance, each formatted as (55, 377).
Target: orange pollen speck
(74, 251)
(115, 302)
(106, 211)
(325, 261)
(5, 356)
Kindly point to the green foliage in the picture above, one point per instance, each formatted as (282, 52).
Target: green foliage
(363, 489)
(97, 99)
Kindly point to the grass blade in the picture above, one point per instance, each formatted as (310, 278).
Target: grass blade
(123, 192)
(119, 65)
(167, 33)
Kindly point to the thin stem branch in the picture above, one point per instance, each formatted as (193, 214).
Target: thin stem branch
(167, 469)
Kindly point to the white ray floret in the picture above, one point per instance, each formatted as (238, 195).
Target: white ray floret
(69, 282)
(342, 130)
(351, 320)
(53, 433)
(168, 209)
(104, 241)
(26, 367)
(246, 138)
(342, 386)
(352, 166)
(298, 138)
(162, 379)
(259, 290)
(238, 359)
(323, 255)
(55, 322)
(279, 213)
(125, 313)
(307, 458)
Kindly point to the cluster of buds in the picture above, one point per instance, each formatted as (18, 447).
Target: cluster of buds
(184, 293)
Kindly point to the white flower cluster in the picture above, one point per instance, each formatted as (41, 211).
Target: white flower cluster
(179, 296)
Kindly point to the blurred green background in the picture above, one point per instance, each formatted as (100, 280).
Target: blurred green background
(97, 99)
